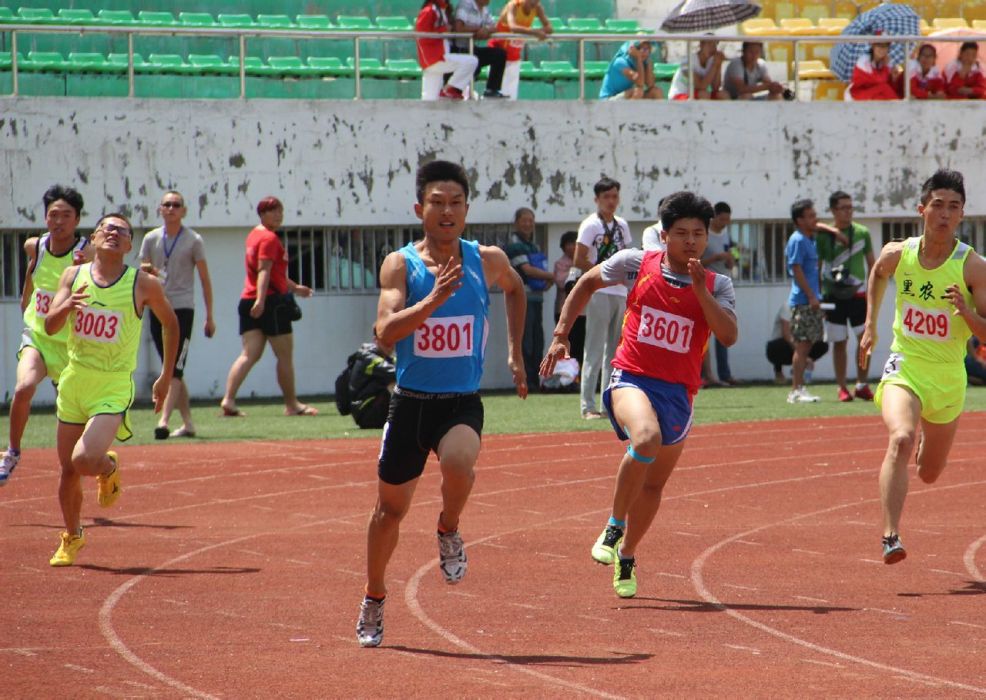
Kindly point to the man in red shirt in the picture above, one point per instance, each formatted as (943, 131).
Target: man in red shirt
(673, 306)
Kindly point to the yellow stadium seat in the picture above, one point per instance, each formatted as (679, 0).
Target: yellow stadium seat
(925, 28)
(833, 25)
(797, 25)
(949, 23)
(979, 25)
(760, 26)
(815, 12)
(814, 70)
(829, 90)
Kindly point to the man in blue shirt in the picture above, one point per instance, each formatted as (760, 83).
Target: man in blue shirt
(807, 317)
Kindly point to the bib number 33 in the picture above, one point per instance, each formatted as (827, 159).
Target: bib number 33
(447, 336)
(665, 330)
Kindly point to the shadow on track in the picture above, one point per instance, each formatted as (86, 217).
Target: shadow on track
(151, 571)
(701, 606)
(532, 659)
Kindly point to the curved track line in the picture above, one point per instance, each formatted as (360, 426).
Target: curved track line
(970, 558)
(699, 585)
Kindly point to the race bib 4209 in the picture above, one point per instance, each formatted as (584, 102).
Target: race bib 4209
(925, 324)
(100, 325)
(447, 336)
(665, 330)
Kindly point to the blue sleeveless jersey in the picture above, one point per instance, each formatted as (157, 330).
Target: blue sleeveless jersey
(445, 354)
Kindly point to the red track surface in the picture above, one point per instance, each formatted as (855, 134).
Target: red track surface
(235, 570)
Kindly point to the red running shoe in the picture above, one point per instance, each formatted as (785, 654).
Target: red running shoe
(451, 93)
(864, 393)
(844, 394)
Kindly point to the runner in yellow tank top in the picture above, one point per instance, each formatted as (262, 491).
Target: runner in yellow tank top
(102, 304)
(40, 355)
(940, 302)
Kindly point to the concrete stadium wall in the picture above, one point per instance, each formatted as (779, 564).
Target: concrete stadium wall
(353, 163)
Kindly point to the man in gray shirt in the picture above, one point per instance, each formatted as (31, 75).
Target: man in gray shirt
(474, 16)
(173, 253)
(747, 75)
(718, 257)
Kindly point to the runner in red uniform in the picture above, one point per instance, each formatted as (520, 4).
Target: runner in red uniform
(673, 306)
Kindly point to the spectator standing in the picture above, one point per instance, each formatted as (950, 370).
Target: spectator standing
(748, 75)
(474, 16)
(872, 77)
(706, 71)
(844, 270)
(174, 253)
(805, 297)
(927, 82)
(964, 78)
(630, 75)
(436, 58)
(563, 266)
(264, 311)
(601, 235)
(532, 265)
(718, 257)
(42, 355)
(780, 347)
(517, 17)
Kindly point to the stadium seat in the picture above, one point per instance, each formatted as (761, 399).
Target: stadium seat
(760, 26)
(86, 62)
(596, 69)
(253, 65)
(939, 23)
(211, 63)
(275, 22)
(121, 59)
(37, 15)
(197, 19)
(354, 23)
(314, 22)
(167, 63)
(528, 71)
(328, 65)
(236, 20)
(76, 16)
(116, 17)
(924, 27)
(584, 25)
(979, 25)
(557, 23)
(289, 65)
(796, 25)
(7, 16)
(403, 68)
(814, 70)
(664, 72)
(833, 25)
(155, 18)
(622, 26)
(559, 70)
(394, 24)
(7, 59)
(368, 67)
(45, 61)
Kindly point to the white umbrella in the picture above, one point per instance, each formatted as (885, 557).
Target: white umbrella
(700, 15)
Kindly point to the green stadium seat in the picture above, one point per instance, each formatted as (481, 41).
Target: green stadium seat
(236, 21)
(116, 17)
(87, 62)
(211, 63)
(395, 24)
(45, 61)
(529, 71)
(7, 59)
(154, 18)
(37, 15)
(7, 16)
(197, 19)
(368, 67)
(167, 63)
(289, 65)
(622, 26)
(314, 22)
(275, 22)
(76, 16)
(120, 59)
(354, 23)
(596, 69)
(584, 25)
(254, 65)
(329, 65)
(559, 70)
(665, 72)
(557, 23)
(403, 68)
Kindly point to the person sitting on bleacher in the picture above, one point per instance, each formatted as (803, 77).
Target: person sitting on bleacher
(964, 78)
(630, 75)
(927, 82)
(517, 17)
(873, 78)
(747, 75)
(706, 69)
(436, 58)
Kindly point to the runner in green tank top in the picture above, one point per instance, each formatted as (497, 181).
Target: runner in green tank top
(39, 355)
(102, 304)
(940, 302)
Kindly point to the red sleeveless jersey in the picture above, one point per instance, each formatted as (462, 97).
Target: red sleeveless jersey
(665, 333)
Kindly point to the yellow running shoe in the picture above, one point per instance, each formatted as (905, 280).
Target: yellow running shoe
(625, 577)
(604, 550)
(109, 485)
(70, 546)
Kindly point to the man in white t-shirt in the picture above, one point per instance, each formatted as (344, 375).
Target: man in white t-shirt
(601, 235)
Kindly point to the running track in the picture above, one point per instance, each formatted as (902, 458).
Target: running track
(235, 570)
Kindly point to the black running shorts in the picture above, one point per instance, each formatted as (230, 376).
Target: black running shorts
(416, 423)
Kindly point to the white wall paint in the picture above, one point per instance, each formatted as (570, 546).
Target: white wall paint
(353, 163)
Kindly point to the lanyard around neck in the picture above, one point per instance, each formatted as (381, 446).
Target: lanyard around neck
(164, 238)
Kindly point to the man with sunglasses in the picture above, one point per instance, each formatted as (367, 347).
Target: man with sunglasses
(173, 253)
(102, 304)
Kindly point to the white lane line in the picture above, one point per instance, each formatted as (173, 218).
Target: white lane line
(685, 534)
(752, 544)
(670, 575)
(81, 669)
(742, 588)
(822, 663)
(299, 562)
(665, 633)
(895, 613)
(740, 647)
(970, 558)
(699, 584)
(552, 555)
(808, 551)
(946, 571)
(967, 624)
(594, 618)
(810, 599)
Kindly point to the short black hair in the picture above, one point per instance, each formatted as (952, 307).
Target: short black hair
(116, 215)
(568, 237)
(605, 184)
(722, 208)
(440, 171)
(66, 194)
(521, 211)
(799, 208)
(943, 179)
(684, 205)
(969, 45)
(836, 196)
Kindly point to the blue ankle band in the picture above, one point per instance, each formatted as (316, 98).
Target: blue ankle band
(617, 523)
(639, 457)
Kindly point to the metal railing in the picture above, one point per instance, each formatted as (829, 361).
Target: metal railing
(243, 35)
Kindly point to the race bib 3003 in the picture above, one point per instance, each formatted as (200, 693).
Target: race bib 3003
(925, 324)
(447, 336)
(665, 330)
(100, 325)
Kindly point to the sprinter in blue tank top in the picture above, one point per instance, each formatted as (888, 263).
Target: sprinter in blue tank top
(434, 303)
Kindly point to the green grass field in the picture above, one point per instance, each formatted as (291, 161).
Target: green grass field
(505, 413)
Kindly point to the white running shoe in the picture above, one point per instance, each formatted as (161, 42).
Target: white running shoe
(451, 556)
(369, 627)
(801, 395)
(7, 465)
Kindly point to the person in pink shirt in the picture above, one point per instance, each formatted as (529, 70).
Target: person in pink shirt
(964, 78)
(436, 58)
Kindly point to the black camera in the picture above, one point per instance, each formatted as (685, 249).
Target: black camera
(788, 94)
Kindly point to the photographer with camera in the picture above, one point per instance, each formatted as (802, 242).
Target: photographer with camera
(845, 264)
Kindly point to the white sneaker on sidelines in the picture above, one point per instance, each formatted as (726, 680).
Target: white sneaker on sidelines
(801, 395)
(7, 465)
